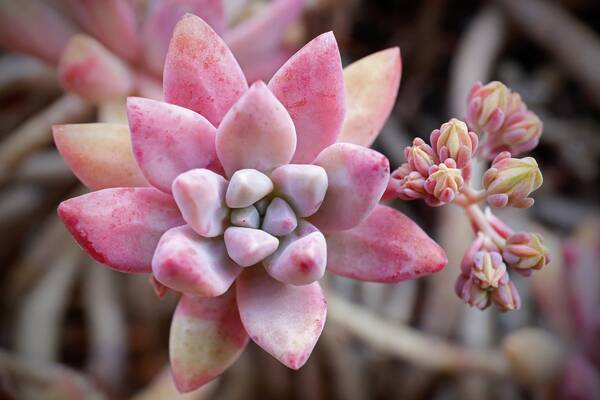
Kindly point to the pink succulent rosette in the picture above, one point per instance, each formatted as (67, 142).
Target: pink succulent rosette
(239, 197)
(107, 49)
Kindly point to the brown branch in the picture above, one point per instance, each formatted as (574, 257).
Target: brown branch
(412, 345)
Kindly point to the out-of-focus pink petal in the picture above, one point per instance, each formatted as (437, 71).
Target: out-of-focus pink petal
(261, 34)
(311, 87)
(247, 246)
(200, 72)
(169, 140)
(113, 22)
(371, 86)
(121, 227)
(302, 185)
(200, 195)
(256, 133)
(301, 257)
(87, 68)
(35, 28)
(386, 247)
(161, 19)
(357, 177)
(265, 66)
(192, 264)
(99, 154)
(285, 320)
(206, 337)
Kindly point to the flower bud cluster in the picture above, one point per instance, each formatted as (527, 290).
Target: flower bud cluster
(510, 181)
(499, 113)
(436, 172)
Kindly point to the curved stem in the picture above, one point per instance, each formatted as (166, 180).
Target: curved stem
(478, 218)
(412, 345)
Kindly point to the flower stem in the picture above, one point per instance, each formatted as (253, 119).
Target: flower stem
(481, 223)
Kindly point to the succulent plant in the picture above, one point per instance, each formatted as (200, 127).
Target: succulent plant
(240, 197)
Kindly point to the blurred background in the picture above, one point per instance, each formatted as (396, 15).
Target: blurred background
(70, 329)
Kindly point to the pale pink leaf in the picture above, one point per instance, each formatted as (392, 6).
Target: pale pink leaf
(200, 72)
(161, 19)
(386, 247)
(120, 227)
(187, 262)
(99, 154)
(256, 133)
(371, 86)
(169, 140)
(311, 87)
(206, 337)
(285, 320)
(357, 177)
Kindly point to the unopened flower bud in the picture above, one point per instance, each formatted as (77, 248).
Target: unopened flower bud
(506, 297)
(489, 271)
(481, 243)
(453, 140)
(444, 182)
(509, 181)
(525, 252)
(412, 187)
(486, 106)
(470, 293)
(521, 132)
(420, 156)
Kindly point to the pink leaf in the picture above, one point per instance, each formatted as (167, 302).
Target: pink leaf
(357, 177)
(113, 22)
(371, 86)
(261, 34)
(192, 264)
(285, 320)
(169, 140)
(87, 68)
(200, 72)
(311, 86)
(99, 154)
(161, 19)
(256, 133)
(120, 227)
(386, 247)
(35, 28)
(206, 337)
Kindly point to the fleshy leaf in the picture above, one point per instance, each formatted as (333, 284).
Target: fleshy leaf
(256, 133)
(371, 86)
(279, 218)
(200, 195)
(247, 246)
(187, 262)
(357, 177)
(301, 257)
(161, 19)
(302, 185)
(246, 187)
(285, 320)
(259, 36)
(311, 87)
(386, 247)
(87, 68)
(200, 72)
(35, 28)
(99, 154)
(120, 227)
(113, 22)
(206, 337)
(169, 140)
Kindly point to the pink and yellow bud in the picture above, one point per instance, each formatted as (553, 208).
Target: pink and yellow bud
(444, 183)
(521, 131)
(510, 181)
(506, 297)
(420, 156)
(453, 140)
(488, 270)
(525, 252)
(407, 184)
(471, 293)
(487, 106)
